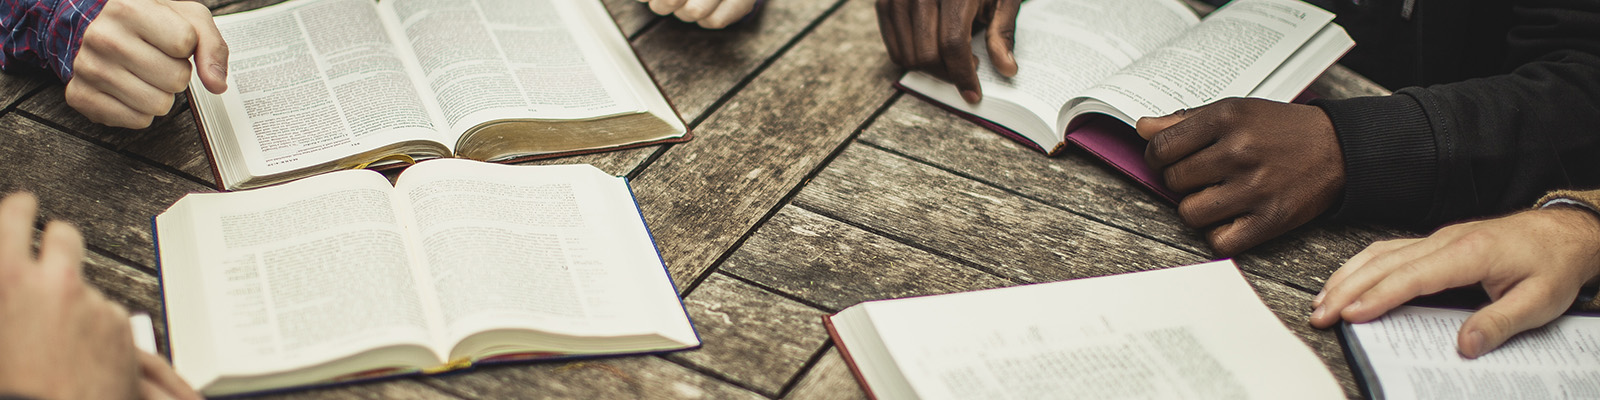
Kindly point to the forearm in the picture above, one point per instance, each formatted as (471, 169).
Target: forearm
(44, 34)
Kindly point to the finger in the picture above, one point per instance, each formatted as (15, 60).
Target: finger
(664, 7)
(694, 10)
(62, 248)
(925, 35)
(108, 59)
(1346, 289)
(128, 89)
(1521, 309)
(1203, 168)
(1185, 135)
(955, 48)
(103, 108)
(1356, 262)
(1211, 206)
(1431, 273)
(1003, 37)
(907, 31)
(16, 230)
(153, 391)
(891, 37)
(1148, 127)
(729, 12)
(1250, 229)
(165, 30)
(211, 51)
(156, 370)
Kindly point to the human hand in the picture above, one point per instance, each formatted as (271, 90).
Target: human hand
(709, 14)
(1249, 169)
(135, 57)
(936, 36)
(1532, 265)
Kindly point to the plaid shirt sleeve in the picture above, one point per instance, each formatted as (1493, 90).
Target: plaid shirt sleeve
(44, 34)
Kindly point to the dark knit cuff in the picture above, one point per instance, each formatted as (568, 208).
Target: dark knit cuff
(1390, 158)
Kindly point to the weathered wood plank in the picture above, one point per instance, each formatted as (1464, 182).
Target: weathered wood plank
(827, 262)
(631, 15)
(1339, 82)
(404, 389)
(1013, 236)
(829, 379)
(1086, 186)
(638, 377)
(13, 86)
(750, 336)
(171, 140)
(110, 197)
(701, 196)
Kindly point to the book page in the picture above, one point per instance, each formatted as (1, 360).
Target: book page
(1412, 351)
(487, 60)
(295, 275)
(1196, 332)
(316, 81)
(1229, 54)
(547, 248)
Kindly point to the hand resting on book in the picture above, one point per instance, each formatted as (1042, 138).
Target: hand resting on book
(60, 338)
(1532, 265)
(135, 57)
(1249, 169)
(936, 36)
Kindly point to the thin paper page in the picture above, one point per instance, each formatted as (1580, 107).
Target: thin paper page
(1187, 333)
(310, 271)
(1413, 352)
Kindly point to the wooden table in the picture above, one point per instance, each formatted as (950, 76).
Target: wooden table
(811, 185)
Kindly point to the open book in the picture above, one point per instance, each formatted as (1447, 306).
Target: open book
(341, 277)
(1196, 332)
(1089, 69)
(1411, 353)
(321, 85)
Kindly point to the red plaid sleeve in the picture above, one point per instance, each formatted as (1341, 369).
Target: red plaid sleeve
(44, 34)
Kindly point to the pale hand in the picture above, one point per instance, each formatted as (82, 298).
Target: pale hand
(60, 338)
(709, 14)
(1532, 265)
(135, 57)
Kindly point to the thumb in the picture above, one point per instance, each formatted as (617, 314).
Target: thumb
(1517, 311)
(211, 54)
(1003, 37)
(1148, 127)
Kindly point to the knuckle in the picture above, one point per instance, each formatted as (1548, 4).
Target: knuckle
(953, 46)
(715, 23)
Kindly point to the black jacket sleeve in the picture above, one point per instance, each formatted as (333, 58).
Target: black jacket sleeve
(1425, 156)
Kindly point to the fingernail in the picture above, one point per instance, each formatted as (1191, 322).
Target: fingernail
(1353, 307)
(1317, 301)
(970, 96)
(1473, 347)
(1317, 315)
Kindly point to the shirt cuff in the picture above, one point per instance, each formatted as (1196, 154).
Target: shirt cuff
(1390, 158)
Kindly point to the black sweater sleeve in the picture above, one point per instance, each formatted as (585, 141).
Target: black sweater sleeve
(1430, 155)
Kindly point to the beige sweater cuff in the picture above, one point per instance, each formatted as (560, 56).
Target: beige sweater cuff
(1589, 199)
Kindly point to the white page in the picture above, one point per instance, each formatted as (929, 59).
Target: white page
(1413, 352)
(1195, 332)
(313, 82)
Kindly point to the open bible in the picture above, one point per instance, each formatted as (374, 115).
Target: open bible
(1089, 69)
(342, 277)
(321, 85)
(1195, 332)
(1410, 353)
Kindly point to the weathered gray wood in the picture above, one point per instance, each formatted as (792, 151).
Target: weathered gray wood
(1085, 185)
(750, 336)
(171, 140)
(1339, 82)
(829, 263)
(15, 85)
(404, 389)
(1014, 236)
(638, 377)
(829, 379)
(110, 197)
(631, 15)
(701, 196)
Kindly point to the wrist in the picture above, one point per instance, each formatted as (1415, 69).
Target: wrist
(1580, 226)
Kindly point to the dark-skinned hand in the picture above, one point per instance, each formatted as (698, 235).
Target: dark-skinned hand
(1249, 169)
(936, 36)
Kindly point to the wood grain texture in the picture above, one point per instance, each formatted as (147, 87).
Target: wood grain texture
(637, 377)
(750, 336)
(402, 389)
(702, 196)
(1339, 82)
(829, 379)
(1012, 236)
(631, 15)
(835, 265)
(15, 85)
(171, 140)
(1086, 186)
(109, 197)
